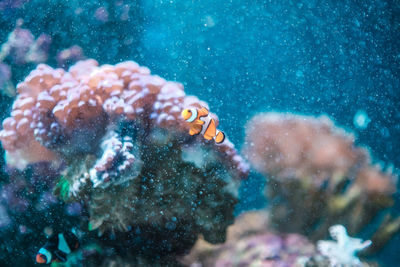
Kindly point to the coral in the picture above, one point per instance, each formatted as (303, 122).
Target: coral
(251, 243)
(317, 177)
(127, 154)
(11, 4)
(74, 23)
(342, 251)
(69, 56)
(21, 46)
(290, 146)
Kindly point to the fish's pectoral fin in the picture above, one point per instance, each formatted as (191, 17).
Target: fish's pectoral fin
(195, 130)
(199, 122)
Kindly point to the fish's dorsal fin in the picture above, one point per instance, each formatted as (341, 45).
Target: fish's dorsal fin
(203, 112)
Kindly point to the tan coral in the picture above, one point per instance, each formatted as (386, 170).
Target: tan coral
(299, 146)
(317, 176)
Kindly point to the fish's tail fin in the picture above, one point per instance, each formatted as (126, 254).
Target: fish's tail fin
(219, 137)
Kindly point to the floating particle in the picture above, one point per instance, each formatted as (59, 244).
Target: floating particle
(361, 119)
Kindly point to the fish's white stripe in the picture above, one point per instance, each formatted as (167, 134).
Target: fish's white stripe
(216, 133)
(46, 253)
(62, 244)
(194, 115)
(207, 121)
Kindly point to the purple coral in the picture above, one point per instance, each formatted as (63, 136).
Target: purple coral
(21, 46)
(253, 245)
(69, 56)
(11, 4)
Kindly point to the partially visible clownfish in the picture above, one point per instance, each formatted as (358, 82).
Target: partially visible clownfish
(57, 248)
(201, 123)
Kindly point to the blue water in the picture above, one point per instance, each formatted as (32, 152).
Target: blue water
(243, 57)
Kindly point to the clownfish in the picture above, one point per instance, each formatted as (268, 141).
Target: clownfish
(201, 123)
(57, 248)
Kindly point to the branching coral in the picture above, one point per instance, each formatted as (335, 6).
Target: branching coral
(127, 153)
(317, 176)
(342, 251)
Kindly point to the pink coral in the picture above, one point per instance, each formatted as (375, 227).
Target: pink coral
(375, 182)
(294, 146)
(54, 107)
(317, 175)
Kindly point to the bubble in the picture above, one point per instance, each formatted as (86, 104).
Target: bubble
(361, 119)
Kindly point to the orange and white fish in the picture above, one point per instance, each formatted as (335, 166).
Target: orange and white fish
(57, 248)
(201, 122)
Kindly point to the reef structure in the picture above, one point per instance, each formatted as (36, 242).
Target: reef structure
(127, 155)
(317, 177)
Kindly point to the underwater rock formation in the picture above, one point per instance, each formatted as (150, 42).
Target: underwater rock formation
(144, 181)
(317, 177)
(252, 242)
